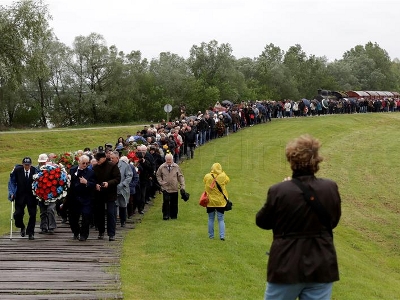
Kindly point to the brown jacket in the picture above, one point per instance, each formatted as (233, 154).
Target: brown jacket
(302, 249)
(171, 180)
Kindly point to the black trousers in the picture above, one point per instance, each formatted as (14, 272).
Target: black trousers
(170, 205)
(102, 208)
(20, 204)
(75, 211)
(141, 201)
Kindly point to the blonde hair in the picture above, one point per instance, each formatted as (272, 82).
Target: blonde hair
(302, 154)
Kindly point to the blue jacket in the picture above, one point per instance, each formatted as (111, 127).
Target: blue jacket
(134, 182)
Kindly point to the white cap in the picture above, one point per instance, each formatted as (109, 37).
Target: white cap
(43, 157)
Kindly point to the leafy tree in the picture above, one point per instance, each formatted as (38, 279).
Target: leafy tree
(371, 65)
(64, 108)
(269, 71)
(90, 68)
(25, 34)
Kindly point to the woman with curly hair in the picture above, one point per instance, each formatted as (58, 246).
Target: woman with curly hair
(302, 260)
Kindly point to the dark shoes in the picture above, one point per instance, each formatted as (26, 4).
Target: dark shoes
(165, 218)
(82, 239)
(222, 239)
(101, 236)
(141, 212)
(76, 236)
(31, 237)
(45, 231)
(23, 231)
(111, 238)
(123, 225)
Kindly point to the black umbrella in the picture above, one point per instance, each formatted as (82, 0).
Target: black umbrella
(306, 102)
(227, 102)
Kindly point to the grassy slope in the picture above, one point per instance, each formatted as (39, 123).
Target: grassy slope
(177, 260)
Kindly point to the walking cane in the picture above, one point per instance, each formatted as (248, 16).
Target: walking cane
(11, 219)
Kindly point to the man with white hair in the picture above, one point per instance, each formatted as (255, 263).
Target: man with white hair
(171, 179)
(80, 197)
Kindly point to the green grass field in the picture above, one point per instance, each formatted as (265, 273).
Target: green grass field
(176, 260)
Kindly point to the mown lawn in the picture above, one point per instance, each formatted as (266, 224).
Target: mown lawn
(176, 260)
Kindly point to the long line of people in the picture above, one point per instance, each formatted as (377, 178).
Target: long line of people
(121, 178)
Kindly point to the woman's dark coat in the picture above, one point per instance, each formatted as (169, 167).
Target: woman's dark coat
(302, 249)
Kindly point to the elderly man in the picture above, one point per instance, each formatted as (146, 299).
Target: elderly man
(107, 177)
(171, 179)
(20, 191)
(80, 197)
(123, 191)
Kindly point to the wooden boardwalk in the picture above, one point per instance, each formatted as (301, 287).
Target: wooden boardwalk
(59, 267)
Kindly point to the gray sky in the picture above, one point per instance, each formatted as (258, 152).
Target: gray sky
(322, 27)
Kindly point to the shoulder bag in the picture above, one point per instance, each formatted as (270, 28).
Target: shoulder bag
(229, 203)
(312, 200)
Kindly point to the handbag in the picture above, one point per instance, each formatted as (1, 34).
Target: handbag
(204, 199)
(229, 204)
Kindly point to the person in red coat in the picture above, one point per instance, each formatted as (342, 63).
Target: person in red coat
(302, 260)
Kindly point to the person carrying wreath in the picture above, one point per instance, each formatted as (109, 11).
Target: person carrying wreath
(217, 202)
(301, 211)
(47, 208)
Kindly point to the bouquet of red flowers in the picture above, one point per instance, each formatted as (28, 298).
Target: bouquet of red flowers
(132, 156)
(50, 183)
(68, 159)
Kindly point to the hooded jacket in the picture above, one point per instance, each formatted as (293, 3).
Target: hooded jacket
(216, 199)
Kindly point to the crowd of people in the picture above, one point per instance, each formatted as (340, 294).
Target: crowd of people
(117, 180)
(113, 182)
(124, 176)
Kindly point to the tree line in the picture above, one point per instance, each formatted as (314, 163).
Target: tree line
(43, 81)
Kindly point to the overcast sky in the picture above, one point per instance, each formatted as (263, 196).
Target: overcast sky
(322, 27)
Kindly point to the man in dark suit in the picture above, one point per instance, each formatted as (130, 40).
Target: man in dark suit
(80, 197)
(20, 191)
(107, 177)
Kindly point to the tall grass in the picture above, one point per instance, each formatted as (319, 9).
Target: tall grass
(175, 259)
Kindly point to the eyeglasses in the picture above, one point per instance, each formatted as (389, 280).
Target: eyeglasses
(84, 163)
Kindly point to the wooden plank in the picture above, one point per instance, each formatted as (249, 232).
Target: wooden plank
(58, 267)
